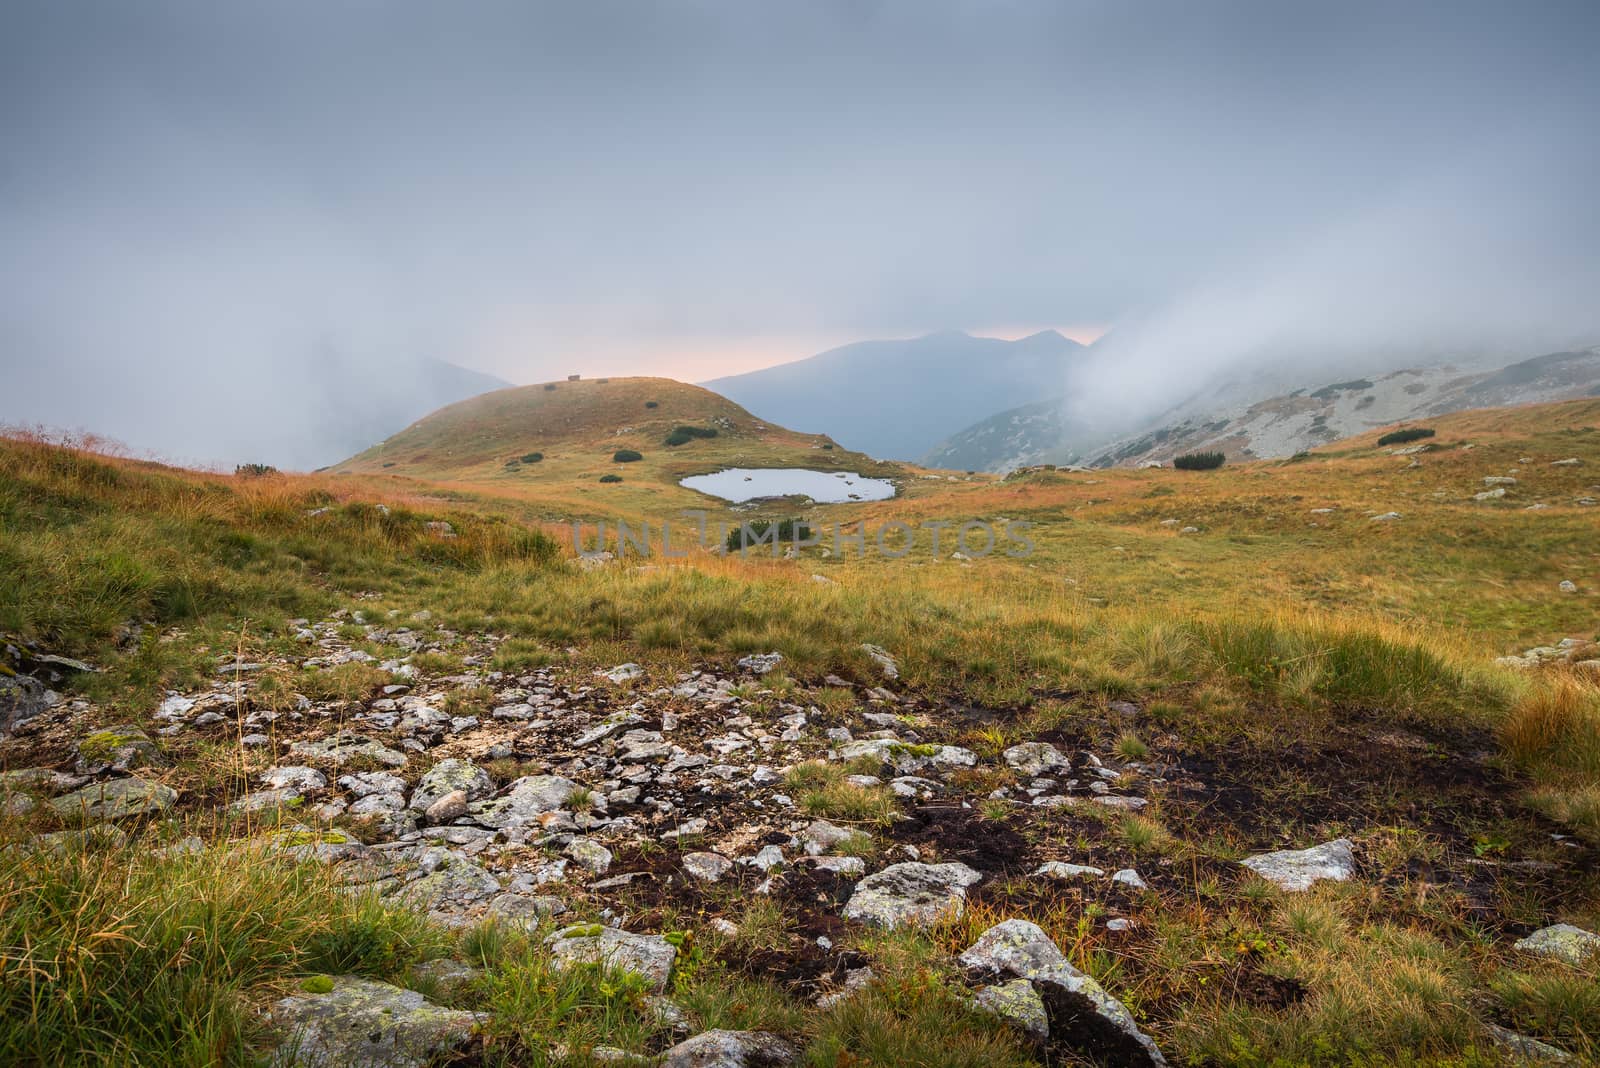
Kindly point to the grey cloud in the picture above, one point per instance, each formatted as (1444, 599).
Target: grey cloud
(199, 199)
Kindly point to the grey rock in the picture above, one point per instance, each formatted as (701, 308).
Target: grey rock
(365, 1024)
(1561, 941)
(1021, 950)
(294, 777)
(707, 867)
(649, 956)
(529, 798)
(529, 909)
(1297, 869)
(760, 663)
(1527, 1050)
(452, 806)
(116, 799)
(589, 854)
(1131, 879)
(447, 978)
(118, 748)
(623, 672)
(731, 1049)
(906, 758)
(1034, 759)
(1020, 1005)
(885, 662)
(342, 747)
(447, 777)
(911, 894)
(1055, 869)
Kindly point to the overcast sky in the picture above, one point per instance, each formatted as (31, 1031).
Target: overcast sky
(193, 194)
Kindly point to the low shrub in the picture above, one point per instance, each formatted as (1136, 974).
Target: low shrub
(626, 456)
(257, 470)
(652, 404)
(682, 435)
(1400, 437)
(532, 457)
(767, 532)
(610, 478)
(1199, 461)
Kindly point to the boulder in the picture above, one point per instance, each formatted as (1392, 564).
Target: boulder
(116, 799)
(1562, 941)
(1018, 1004)
(648, 956)
(911, 893)
(342, 747)
(1297, 869)
(346, 1022)
(1077, 1005)
(731, 1049)
(528, 798)
(448, 776)
(294, 777)
(707, 867)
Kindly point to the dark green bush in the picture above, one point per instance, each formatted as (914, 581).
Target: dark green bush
(1199, 461)
(610, 478)
(757, 530)
(1400, 437)
(626, 456)
(682, 435)
(532, 457)
(652, 404)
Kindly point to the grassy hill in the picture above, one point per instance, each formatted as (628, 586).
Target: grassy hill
(552, 443)
(1248, 651)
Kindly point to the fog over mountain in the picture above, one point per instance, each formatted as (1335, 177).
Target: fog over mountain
(206, 206)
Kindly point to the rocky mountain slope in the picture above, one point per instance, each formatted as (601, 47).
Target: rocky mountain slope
(896, 399)
(1236, 419)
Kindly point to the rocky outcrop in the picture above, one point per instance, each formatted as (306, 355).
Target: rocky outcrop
(347, 1022)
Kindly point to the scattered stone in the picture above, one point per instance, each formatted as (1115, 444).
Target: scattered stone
(347, 1022)
(881, 657)
(1022, 950)
(294, 777)
(649, 956)
(911, 894)
(1568, 586)
(1131, 879)
(589, 854)
(624, 672)
(339, 748)
(448, 777)
(1386, 517)
(1562, 941)
(1034, 759)
(1056, 869)
(731, 1049)
(707, 867)
(452, 806)
(760, 663)
(1527, 1050)
(116, 799)
(1297, 869)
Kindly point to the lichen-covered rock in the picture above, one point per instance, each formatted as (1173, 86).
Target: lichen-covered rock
(1527, 1050)
(911, 894)
(589, 854)
(649, 956)
(445, 978)
(1056, 869)
(116, 799)
(1034, 758)
(359, 1023)
(1562, 941)
(908, 757)
(118, 748)
(1077, 1004)
(340, 748)
(1297, 869)
(294, 777)
(731, 1049)
(528, 798)
(1018, 1004)
(448, 776)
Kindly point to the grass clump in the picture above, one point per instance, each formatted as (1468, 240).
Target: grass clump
(1199, 461)
(1401, 437)
(128, 956)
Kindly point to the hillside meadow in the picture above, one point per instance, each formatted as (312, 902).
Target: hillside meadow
(1316, 671)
